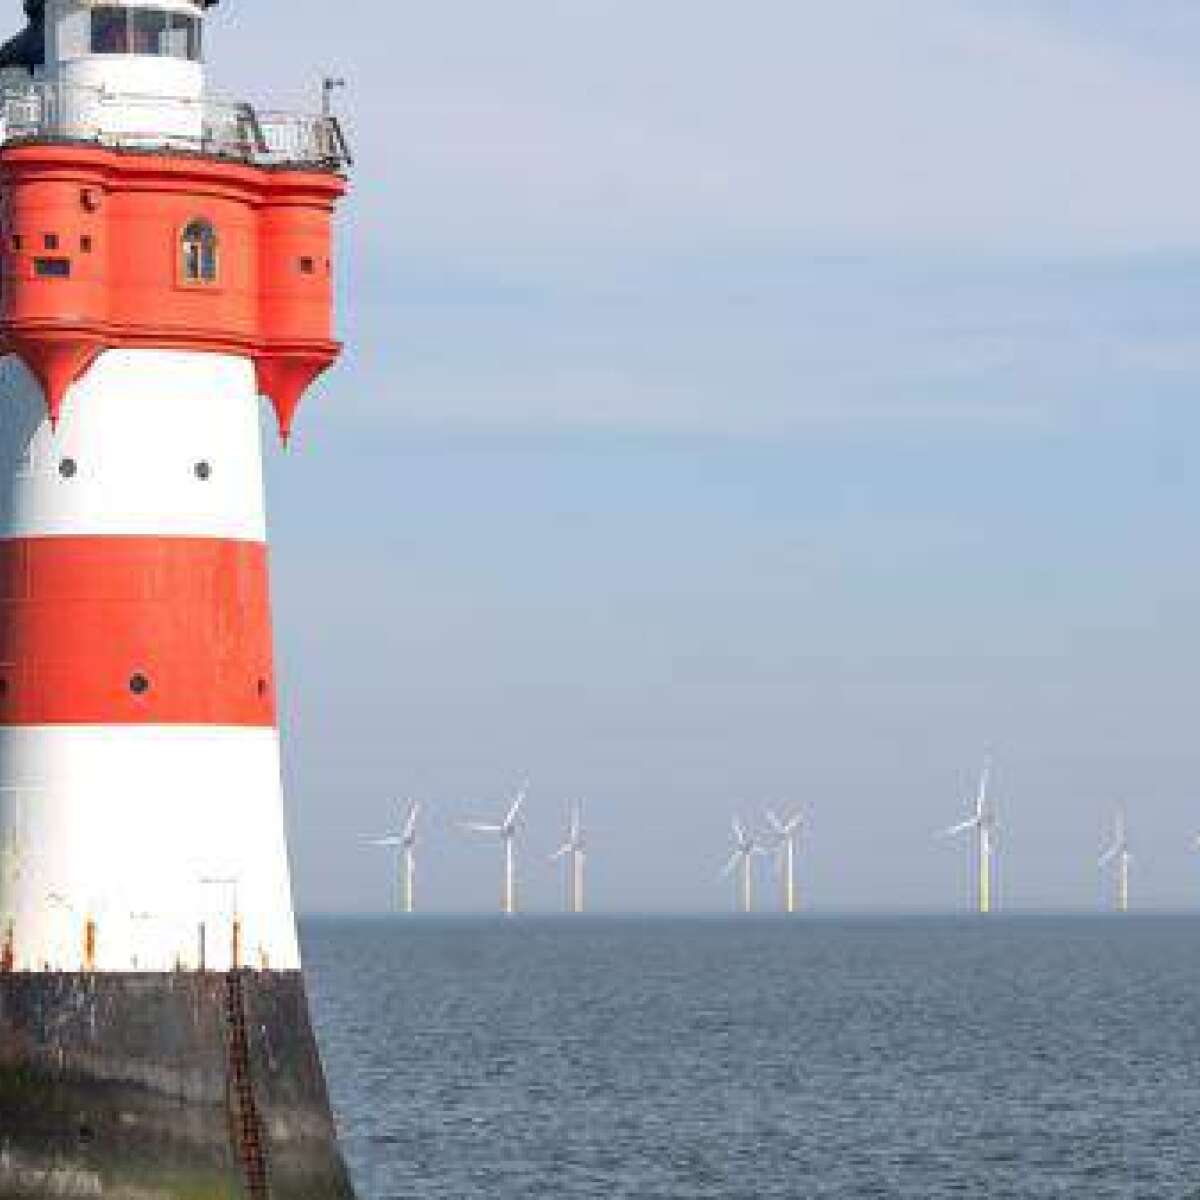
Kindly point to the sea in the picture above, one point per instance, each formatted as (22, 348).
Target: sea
(742, 1059)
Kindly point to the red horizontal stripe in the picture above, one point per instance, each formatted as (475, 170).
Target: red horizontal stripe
(135, 630)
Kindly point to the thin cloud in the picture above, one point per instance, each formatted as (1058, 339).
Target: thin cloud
(622, 127)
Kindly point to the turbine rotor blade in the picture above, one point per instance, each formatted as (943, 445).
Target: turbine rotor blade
(516, 806)
(971, 823)
(984, 779)
(410, 826)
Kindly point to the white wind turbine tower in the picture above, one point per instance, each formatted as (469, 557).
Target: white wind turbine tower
(744, 851)
(985, 825)
(405, 841)
(572, 849)
(507, 829)
(1118, 852)
(787, 831)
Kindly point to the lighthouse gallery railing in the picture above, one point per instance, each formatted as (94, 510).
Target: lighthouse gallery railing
(40, 111)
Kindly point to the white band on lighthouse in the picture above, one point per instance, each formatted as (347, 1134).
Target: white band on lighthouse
(160, 443)
(144, 848)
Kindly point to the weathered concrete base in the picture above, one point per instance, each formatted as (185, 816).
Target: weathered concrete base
(188, 1086)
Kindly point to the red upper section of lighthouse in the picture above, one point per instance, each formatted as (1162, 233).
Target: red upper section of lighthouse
(103, 248)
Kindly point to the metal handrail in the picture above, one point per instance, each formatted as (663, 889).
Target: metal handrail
(47, 111)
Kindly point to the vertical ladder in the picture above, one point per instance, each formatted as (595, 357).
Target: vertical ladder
(246, 1122)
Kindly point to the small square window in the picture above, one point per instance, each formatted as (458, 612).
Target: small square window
(50, 241)
(308, 266)
(17, 241)
(52, 268)
(85, 243)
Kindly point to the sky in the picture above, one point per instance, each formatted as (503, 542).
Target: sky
(778, 403)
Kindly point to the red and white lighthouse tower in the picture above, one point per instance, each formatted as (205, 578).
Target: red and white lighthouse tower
(165, 261)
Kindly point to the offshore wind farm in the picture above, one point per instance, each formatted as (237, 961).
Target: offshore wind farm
(764, 853)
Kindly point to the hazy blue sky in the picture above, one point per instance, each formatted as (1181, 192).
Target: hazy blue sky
(760, 402)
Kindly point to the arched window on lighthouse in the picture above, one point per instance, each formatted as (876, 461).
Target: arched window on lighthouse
(200, 252)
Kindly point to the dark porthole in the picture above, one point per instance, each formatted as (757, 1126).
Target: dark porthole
(68, 468)
(203, 471)
(139, 685)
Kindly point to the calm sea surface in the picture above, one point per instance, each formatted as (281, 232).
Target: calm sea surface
(747, 1059)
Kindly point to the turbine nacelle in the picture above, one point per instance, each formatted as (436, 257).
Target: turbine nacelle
(984, 816)
(786, 827)
(507, 827)
(406, 839)
(574, 843)
(745, 847)
(1120, 845)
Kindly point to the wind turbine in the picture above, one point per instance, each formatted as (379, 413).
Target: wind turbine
(1118, 852)
(573, 847)
(507, 830)
(787, 831)
(985, 825)
(405, 841)
(744, 850)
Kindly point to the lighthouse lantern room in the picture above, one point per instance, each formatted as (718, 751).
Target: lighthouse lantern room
(165, 261)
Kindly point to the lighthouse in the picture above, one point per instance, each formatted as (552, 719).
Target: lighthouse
(165, 281)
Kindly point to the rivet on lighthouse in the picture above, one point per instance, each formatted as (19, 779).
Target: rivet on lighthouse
(165, 261)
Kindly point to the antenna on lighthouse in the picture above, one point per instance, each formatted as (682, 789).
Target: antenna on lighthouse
(329, 85)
